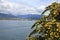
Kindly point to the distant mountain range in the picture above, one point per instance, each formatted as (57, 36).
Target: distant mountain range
(2, 15)
(28, 16)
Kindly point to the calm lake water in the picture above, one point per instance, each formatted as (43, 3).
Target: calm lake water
(15, 29)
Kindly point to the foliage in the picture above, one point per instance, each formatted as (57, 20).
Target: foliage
(47, 28)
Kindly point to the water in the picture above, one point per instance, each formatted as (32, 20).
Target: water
(14, 29)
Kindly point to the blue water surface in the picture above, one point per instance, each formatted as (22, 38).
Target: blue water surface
(15, 29)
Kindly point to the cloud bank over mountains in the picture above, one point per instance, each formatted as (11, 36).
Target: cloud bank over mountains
(18, 9)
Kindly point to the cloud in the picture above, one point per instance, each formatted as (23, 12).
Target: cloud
(16, 9)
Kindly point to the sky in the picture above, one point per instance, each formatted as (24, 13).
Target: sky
(21, 7)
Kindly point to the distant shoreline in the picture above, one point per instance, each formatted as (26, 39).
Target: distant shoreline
(18, 19)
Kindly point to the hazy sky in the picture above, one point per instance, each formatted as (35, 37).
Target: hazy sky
(18, 7)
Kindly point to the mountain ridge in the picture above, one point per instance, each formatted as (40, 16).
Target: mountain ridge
(27, 16)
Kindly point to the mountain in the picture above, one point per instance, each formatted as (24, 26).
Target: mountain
(2, 15)
(30, 16)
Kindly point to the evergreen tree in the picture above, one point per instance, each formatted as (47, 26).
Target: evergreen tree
(48, 27)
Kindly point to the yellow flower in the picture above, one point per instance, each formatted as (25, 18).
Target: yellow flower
(58, 24)
(57, 29)
(55, 12)
(51, 34)
(56, 36)
(49, 28)
(49, 23)
(53, 20)
(47, 31)
(46, 34)
(38, 23)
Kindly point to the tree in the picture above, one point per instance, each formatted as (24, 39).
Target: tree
(48, 27)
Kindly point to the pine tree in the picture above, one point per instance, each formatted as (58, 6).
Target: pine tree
(48, 27)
